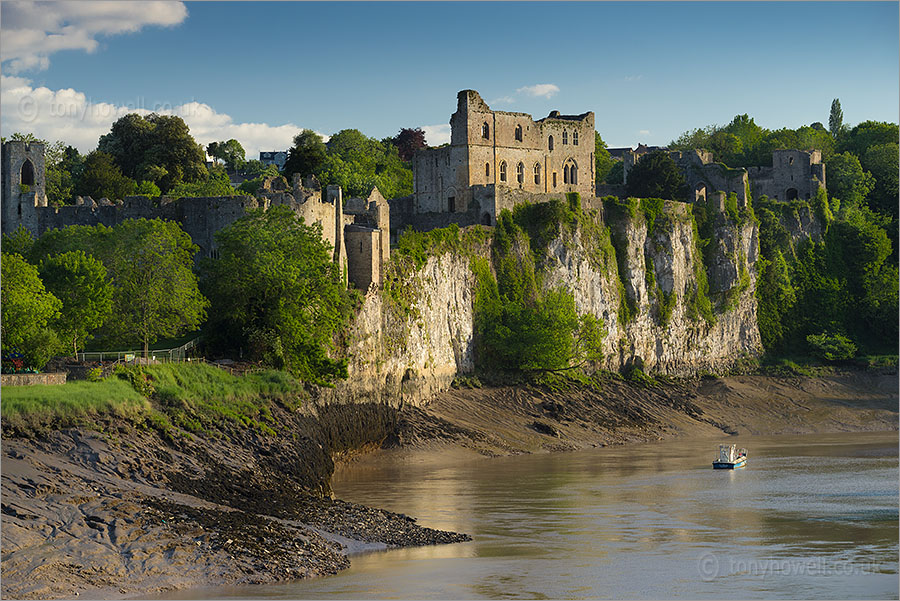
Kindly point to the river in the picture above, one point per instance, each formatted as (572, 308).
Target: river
(813, 516)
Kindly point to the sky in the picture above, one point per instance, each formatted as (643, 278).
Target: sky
(262, 71)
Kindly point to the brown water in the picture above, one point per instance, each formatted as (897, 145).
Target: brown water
(810, 517)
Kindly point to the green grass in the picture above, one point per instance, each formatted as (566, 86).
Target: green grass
(195, 397)
(74, 403)
(199, 397)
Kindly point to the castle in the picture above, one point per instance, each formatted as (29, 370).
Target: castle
(358, 229)
(794, 174)
(495, 160)
(492, 153)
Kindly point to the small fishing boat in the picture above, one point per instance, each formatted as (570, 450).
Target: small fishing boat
(730, 457)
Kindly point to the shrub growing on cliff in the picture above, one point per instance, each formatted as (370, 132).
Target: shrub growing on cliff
(277, 294)
(832, 347)
(519, 326)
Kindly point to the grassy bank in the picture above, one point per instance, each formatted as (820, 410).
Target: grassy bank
(195, 398)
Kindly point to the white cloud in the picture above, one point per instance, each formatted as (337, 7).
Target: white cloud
(435, 135)
(644, 132)
(502, 100)
(32, 31)
(72, 117)
(633, 77)
(545, 90)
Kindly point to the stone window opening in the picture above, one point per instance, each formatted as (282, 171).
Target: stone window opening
(487, 169)
(486, 219)
(790, 160)
(565, 137)
(451, 204)
(519, 133)
(520, 173)
(27, 173)
(486, 131)
(554, 179)
(537, 174)
(20, 209)
(550, 144)
(503, 171)
(791, 194)
(574, 138)
(360, 247)
(570, 173)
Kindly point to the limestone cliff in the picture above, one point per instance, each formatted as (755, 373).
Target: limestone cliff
(644, 287)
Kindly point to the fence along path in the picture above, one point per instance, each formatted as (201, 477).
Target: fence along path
(173, 355)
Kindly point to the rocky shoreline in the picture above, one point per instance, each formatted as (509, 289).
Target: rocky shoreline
(117, 510)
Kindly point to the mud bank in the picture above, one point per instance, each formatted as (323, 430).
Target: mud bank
(120, 511)
(514, 420)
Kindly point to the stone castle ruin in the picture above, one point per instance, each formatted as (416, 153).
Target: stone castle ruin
(358, 229)
(495, 159)
(794, 174)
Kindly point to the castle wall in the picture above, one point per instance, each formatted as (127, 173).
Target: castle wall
(363, 256)
(444, 177)
(20, 198)
(795, 174)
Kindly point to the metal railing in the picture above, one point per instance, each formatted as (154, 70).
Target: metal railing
(173, 355)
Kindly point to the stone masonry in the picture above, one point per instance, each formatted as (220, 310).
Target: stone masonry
(493, 150)
(24, 203)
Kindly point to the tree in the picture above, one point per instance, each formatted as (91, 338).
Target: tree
(602, 161)
(79, 282)
(616, 173)
(103, 179)
(27, 310)
(409, 141)
(230, 152)
(656, 175)
(155, 290)
(847, 180)
(836, 118)
(276, 292)
(306, 156)
(868, 133)
(18, 242)
(157, 148)
(255, 168)
(215, 183)
(882, 161)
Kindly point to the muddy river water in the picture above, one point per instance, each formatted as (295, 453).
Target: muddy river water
(812, 516)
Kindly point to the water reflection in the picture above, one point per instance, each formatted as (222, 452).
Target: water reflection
(811, 516)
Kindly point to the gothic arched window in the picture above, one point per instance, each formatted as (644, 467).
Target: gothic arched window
(503, 171)
(520, 173)
(537, 174)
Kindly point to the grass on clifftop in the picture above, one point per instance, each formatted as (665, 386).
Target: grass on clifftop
(197, 398)
(27, 408)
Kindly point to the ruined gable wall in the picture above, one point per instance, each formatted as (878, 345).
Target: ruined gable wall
(791, 169)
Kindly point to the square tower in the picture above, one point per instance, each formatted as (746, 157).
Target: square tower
(23, 187)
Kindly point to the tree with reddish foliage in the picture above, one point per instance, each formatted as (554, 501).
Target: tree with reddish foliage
(408, 141)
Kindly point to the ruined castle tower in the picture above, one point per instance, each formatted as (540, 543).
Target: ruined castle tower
(23, 186)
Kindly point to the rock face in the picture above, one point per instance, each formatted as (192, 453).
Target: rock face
(406, 355)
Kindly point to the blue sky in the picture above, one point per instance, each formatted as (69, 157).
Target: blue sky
(261, 71)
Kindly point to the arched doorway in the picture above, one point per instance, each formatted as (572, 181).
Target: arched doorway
(700, 192)
(791, 194)
(27, 173)
(486, 219)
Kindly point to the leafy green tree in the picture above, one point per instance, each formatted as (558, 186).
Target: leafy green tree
(147, 188)
(616, 173)
(63, 166)
(276, 292)
(215, 183)
(18, 242)
(351, 145)
(155, 290)
(656, 175)
(255, 168)
(356, 180)
(409, 141)
(882, 161)
(847, 180)
(868, 133)
(306, 156)
(229, 152)
(80, 282)
(157, 148)
(28, 310)
(101, 178)
(832, 347)
(602, 161)
(836, 118)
